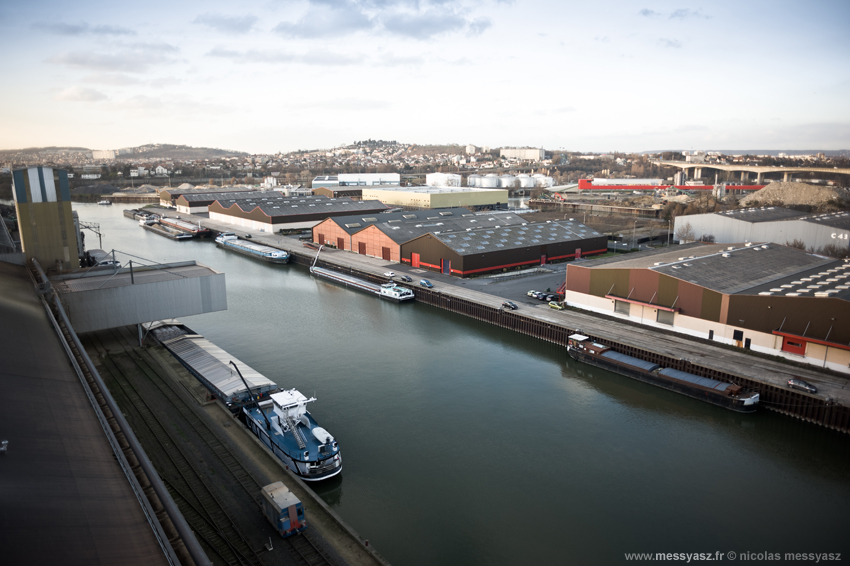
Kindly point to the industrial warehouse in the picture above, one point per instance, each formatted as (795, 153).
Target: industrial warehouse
(770, 224)
(439, 197)
(272, 212)
(458, 242)
(765, 297)
(357, 180)
(199, 202)
(168, 197)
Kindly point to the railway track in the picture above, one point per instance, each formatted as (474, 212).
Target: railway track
(198, 503)
(201, 507)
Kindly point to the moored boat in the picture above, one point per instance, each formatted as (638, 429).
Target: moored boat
(285, 426)
(231, 241)
(389, 291)
(723, 394)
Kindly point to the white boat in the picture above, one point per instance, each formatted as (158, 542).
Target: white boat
(389, 291)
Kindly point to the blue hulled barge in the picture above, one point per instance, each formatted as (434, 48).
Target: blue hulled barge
(285, 426)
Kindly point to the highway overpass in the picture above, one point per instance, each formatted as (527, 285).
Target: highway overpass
(745, 170)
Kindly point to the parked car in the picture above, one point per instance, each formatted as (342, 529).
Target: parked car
(109, 263)
(425, 283)
(551, 297)
(406, 278)
(389, 274)
(556, 305)
(542, 296)
(247, 236)
(797, 383)
(531, 293)
(509, 305)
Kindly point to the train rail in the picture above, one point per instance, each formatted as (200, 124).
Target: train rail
(200, 506)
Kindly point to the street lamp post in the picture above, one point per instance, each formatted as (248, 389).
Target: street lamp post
(634, 234)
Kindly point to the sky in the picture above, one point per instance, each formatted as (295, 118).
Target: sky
(280, 75)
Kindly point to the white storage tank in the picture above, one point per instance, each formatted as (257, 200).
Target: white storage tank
(542, 180)
(489, 181)
(507, 181)
(442, 180)
(526, 181)
(473, 181)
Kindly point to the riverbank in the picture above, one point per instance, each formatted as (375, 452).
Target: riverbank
(829, 407)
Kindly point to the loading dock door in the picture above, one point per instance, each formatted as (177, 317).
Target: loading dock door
(543, 259)
(446, 266)
(361, 248)
(414, 259)
(340, 243)
(385, 253)
(321, 239)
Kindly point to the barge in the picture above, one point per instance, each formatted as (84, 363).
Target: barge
(389, 291)
(212, 366)
(279, 418)
(727, 395)
(169, 233)
(196, 231)
(229, 241)
(285, 426)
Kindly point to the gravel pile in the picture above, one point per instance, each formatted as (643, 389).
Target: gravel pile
(793, 193)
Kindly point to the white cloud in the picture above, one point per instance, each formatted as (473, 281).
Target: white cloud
(80, 94)
(231, 25)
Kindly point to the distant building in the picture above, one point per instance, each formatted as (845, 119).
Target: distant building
(458, 242)
(471, 149)
(523, 154)
(357, 180)
(103, 154)
(439, 197)
(272, 212)
(355, 193)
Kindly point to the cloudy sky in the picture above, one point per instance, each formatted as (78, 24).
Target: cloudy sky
(279, 75)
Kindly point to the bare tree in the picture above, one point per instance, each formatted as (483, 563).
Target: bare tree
(685, 233)
(797, 243)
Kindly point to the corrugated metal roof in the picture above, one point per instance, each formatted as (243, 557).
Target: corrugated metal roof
(623, 358)
(214, 364)
(122, 279)
(695, 379)
(500, 237)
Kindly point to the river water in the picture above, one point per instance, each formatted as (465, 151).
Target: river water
(466, 444)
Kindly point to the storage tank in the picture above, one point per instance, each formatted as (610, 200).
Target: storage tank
(442, 180)
(507, 181)
(473, 181)
(526, 181)
(489, 181)
(542, 180)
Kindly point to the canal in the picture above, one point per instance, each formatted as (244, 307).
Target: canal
(468, 444)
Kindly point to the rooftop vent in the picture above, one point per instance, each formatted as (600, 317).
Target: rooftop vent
(730, 248)
(748, 244)
(765, 293)
(726, 255)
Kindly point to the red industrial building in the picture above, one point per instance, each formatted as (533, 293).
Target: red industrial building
(458, 242)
